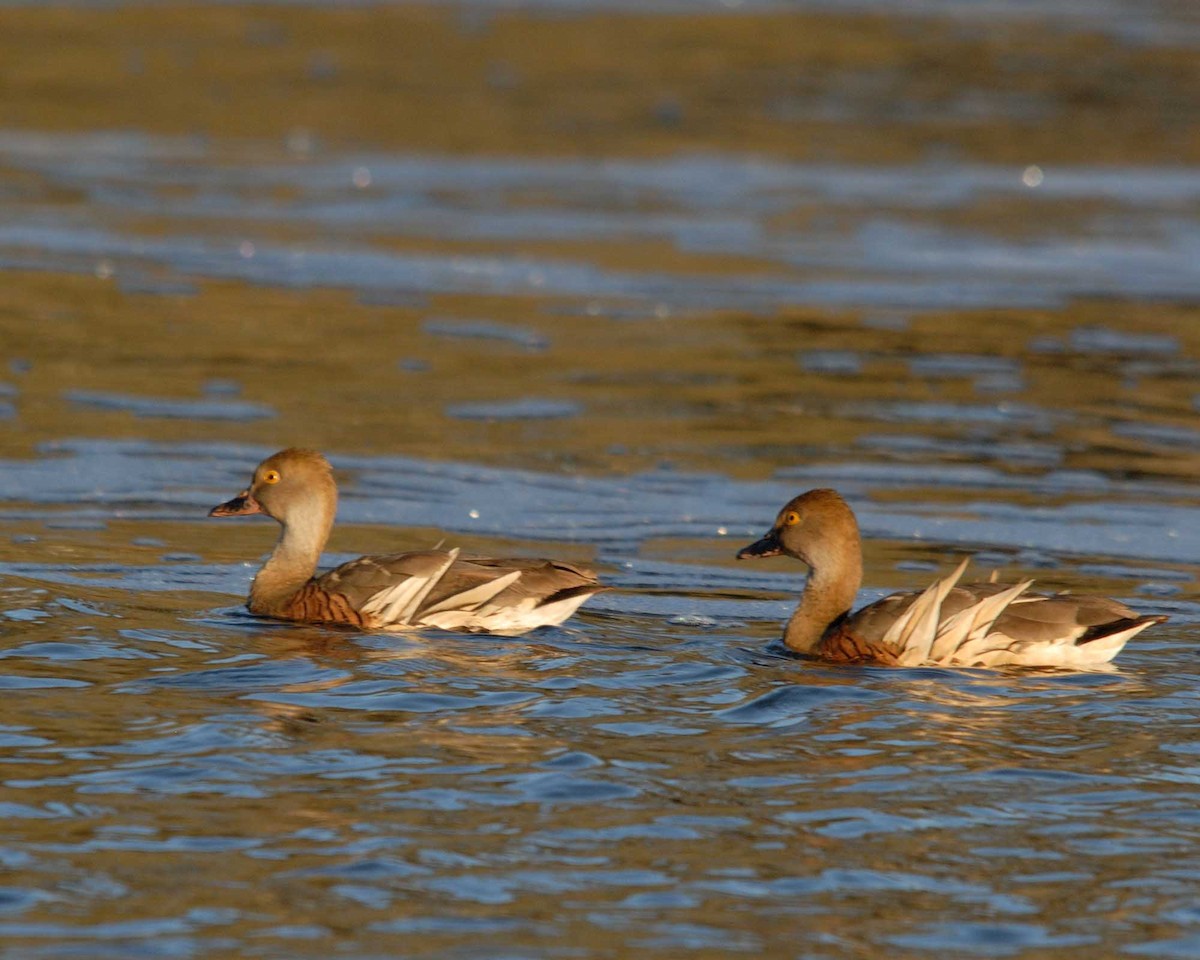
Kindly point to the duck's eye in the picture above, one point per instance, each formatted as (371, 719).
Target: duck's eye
(271, 476)
(791, 518)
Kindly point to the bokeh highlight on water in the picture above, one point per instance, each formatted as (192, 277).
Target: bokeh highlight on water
(608, 282)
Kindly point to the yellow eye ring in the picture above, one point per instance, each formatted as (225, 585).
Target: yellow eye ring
(791, 518)
(271, 476)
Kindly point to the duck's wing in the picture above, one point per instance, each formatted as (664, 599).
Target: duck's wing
(899, 629)
(990, 625)
(534, 593)
(438, 588)
(388, 589)
(1056, 631)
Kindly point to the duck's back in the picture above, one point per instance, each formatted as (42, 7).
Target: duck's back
(976, 624)
(440, 588)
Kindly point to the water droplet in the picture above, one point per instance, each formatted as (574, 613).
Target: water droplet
(300, 141)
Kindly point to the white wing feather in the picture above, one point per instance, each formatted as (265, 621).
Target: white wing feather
(913, 633)
(398, 603)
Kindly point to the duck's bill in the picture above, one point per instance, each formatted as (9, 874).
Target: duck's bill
(240, 506)
(768, 546)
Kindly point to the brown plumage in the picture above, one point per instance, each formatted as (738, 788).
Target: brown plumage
(951, 624)
(428, 588)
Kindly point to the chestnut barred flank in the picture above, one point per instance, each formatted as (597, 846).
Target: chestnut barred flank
(315, 605)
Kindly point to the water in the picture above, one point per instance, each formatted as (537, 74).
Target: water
(608, 283)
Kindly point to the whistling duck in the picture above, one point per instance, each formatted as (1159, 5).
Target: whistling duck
(402, 591)
(948, 624)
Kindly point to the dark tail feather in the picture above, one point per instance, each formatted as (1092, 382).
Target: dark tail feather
(566, 593)
(1116, 626)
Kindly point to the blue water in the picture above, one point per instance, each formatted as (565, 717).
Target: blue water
(873, 228)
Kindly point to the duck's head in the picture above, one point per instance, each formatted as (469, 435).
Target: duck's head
(808, 528)
(288, 484)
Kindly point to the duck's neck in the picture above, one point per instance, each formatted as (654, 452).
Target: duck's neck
(293, 561)
(833, 581)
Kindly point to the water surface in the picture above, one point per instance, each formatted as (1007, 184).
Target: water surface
(610, 283)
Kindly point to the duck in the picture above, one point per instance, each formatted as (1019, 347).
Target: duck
(947, 624)
(395, 592)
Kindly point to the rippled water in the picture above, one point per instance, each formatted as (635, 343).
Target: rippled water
(611, 285)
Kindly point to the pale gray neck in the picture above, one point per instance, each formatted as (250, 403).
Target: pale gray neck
(294, 559)
(833, 581)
